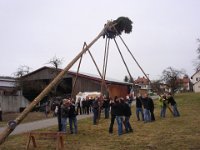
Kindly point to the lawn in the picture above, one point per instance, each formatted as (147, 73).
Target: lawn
(166, 133)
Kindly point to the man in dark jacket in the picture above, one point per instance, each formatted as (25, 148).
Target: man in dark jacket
(113, 115)
(127, 114)
(95, 109)
(106, 106)
(145, 103)
(79, 110)
(84, 108)
(173, 104)
(64, 114)
(151, 108)
(58, 114)
(72, 118)
(139, 108)
(119, 115)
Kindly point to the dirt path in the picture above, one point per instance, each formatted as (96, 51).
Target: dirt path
(26, 127)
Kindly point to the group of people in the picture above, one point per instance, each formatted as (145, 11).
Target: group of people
(65, 110)
(121, 111)
(68, 109)
(84, 106)
(145, 107)
(144, 110)
(164, 101)
(118, 108)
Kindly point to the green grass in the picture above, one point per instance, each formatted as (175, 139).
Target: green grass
(165, 133)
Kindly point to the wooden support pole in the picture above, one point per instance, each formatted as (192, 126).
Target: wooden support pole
(74, 84)
(134, 58)
(105, 61)
(123, 60)
(5, 133)
(98, 69)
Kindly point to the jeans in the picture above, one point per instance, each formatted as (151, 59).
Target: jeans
(119, 123)
(59, 122)
(163, 111)
(106, 109)
(127, 124)
(175, 111)
(95, 117)
(138, 111)
(64, 124)
(147, 117)
(73, 124)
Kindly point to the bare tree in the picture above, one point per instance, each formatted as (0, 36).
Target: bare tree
(171, 77)
(21, 71)
(56, 62)
(197, 63)
(155, 85)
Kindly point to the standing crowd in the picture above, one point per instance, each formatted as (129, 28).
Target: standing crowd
(118, 108)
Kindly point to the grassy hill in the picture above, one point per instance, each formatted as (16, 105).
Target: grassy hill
(165, 133)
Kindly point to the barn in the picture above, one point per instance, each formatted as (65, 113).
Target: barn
(34, 82)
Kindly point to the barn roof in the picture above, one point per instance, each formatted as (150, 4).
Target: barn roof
(83, 75)
(8, 82)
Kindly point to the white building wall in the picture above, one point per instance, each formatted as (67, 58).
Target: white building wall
(13, 103)
(196, 87)
(196, 77)
(196, 82)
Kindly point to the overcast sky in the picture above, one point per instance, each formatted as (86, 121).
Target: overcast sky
(164, 34)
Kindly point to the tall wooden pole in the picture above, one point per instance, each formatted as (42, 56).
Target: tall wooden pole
(12, 125)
